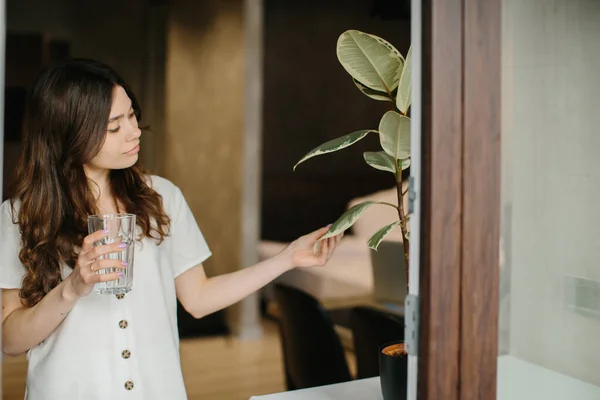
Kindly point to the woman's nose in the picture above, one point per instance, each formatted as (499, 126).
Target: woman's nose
(136, 132)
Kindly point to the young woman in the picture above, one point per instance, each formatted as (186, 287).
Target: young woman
(80, 151)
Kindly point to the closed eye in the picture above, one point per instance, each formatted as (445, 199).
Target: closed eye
(115, 130)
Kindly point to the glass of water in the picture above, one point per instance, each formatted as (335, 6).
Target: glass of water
(121, 229)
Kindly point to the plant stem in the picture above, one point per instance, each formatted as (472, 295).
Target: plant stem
(403, 227)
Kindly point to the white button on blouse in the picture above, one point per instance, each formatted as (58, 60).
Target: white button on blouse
(116, 346)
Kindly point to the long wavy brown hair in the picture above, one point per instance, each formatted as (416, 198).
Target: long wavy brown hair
(65, 127)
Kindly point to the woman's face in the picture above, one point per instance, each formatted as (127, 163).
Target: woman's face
(122, 144)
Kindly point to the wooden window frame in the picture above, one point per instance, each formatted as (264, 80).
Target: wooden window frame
(460, 199)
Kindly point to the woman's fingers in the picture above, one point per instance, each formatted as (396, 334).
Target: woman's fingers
(100, 271)
(332, 247)
(316, 235)
(112, 276)
(99, 265)
(104, 249)
(88, 241)
(92, 277)
(324, 251)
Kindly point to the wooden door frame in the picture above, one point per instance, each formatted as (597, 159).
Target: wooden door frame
(460, 199)
(2, 71)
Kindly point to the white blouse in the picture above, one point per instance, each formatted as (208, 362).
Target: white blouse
(116, 346)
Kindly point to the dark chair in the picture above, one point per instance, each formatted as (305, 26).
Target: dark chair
(312, 351)
(372, 328)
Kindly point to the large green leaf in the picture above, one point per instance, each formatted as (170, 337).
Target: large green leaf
(403, 98)
(380, 160)
(389, 46)
(394, 135)
(370, 60)
(345, 221)
(374, 94)
(381, 234)
(335, 145)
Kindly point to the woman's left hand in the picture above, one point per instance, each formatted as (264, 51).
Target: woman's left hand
(301, 254)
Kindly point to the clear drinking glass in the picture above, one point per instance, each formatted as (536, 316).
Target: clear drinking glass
(121, 229)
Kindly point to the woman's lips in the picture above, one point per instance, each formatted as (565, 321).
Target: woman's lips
(133, 151)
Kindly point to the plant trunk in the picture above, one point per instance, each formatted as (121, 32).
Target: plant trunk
(403, 227)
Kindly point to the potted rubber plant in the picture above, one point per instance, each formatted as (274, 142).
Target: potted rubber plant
(380, 72)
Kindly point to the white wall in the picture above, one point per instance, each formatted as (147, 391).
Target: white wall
(551, 180)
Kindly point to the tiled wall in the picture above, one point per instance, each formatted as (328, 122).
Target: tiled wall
(551, 180)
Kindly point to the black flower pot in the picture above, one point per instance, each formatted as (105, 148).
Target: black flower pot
(393, 371)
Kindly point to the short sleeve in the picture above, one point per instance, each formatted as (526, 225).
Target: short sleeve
(11, 269)
(189, 248)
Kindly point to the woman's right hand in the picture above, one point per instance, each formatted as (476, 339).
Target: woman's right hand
(84, 275)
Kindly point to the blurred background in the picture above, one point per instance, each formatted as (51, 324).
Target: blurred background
(234, 92)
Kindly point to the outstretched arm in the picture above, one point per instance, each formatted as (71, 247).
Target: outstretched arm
(201, 296)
